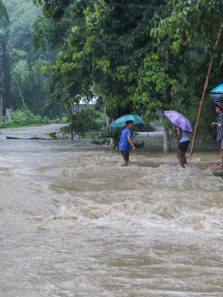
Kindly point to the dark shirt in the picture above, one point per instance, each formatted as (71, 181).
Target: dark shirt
(220, 127)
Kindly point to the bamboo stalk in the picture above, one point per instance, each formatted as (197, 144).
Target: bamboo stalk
(203, 97)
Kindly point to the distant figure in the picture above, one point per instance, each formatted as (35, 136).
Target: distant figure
(126, 144)
(184, 139)
(219, 125)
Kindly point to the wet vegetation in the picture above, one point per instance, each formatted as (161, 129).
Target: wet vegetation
(22, 118)
(130, 56)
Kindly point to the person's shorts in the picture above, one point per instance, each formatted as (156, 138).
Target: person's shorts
(183, 146)
(125, 155)
(220, 144)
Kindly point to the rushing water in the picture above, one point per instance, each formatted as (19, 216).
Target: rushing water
(73, 222)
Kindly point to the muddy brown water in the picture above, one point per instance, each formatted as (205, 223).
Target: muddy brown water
(73, 222)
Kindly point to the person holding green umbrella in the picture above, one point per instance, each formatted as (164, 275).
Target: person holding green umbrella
(126, 144)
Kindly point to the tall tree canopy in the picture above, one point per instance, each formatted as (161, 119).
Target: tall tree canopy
(135, 55)
(27, 80)
(22, 82)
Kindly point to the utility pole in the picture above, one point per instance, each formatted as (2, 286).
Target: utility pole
(1, 104)
(1, 83)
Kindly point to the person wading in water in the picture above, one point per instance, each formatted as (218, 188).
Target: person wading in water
(184, 139)
(219, 125)
(126, 144)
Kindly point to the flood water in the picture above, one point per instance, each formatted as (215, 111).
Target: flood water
(74, 223)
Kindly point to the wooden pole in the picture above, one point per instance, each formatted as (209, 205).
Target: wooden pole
(201, 105)
(1, 106)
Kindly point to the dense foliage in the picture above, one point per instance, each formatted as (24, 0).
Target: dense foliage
(134, 56)
(140, 56)
(84, 121)
(27, 80)
(24, 117)
(22, 80)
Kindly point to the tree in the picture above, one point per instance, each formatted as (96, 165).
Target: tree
(23, 69)
(82, 122)
(103, 53)
(137, 56)
(192, 27)
(28, 82)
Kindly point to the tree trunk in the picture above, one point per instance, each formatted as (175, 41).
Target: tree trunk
(72, 135)
(166, 141)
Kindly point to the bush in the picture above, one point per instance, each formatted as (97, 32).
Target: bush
(24, 117)
(105, 134)
(84, 121)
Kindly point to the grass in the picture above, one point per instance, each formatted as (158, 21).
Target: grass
(25, 118)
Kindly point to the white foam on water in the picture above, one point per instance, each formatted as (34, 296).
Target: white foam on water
(78, 224)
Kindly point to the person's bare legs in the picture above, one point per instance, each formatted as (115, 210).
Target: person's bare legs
(184, 158)
(178, 155)
(125, 164)
(125, 156)
(221, 165)
(181, 157)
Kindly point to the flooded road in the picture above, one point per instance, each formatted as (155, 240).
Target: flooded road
(74, 223)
